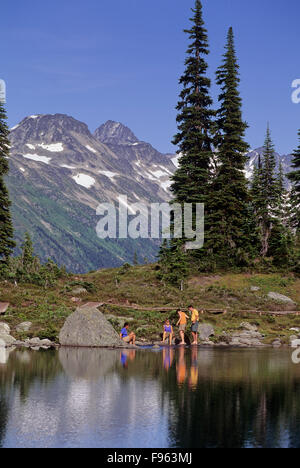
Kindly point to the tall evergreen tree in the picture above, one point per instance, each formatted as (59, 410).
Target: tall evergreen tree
(294, 177)
(191, 180)
(269, 171)
(228, 237)
(6, 229)
(269, 196)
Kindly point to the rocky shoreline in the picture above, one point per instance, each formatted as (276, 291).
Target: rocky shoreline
(248, 336)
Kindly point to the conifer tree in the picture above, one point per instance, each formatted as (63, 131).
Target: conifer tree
(269, 196)
(6, 229)
(270, 186)
(228, 204)
(191, 180)
(294, 177)
(28, 257)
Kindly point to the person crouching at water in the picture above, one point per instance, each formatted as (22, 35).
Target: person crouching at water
(195, 323)
(182, 325)
(127, 338)
(168, 332)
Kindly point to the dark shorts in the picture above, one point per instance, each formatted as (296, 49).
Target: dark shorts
(195, 327)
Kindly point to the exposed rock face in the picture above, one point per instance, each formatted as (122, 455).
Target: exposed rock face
(88, 327)
(280, 298)
(6, 340)
(247, 337)
(205, 331)
(4, 328)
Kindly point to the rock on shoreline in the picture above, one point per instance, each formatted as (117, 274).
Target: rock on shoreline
(88, 327)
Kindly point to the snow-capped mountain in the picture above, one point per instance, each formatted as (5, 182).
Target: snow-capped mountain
(253, 160)
(60, 172)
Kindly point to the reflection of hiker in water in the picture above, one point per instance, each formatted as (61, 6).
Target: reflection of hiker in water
(181, 367)
(168, 356)
(194, 373)
(123, 358)
(125, 355)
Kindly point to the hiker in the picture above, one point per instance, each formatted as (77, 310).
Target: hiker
(127, 338)
(168, 332)
(195, 323)
(182, 324)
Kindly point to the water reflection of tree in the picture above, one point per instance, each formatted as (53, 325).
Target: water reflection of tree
(234, 407)
(227, 399)
(23, 369)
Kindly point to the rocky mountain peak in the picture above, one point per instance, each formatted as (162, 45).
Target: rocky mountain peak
(115, 133)
(48, 127)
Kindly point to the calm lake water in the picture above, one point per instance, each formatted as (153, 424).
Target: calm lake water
(171, 398)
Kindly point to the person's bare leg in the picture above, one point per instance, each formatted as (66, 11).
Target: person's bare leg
(194, 338)
(171, 339)
(182, 337)
(164, 337)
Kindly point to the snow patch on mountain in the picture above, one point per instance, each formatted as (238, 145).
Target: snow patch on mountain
(166, 185)
(14, 128)
(108, 174)
(91, 149)
(175, 160)
(53, 148)
(84, 180)
(68, 167)
(37, 158)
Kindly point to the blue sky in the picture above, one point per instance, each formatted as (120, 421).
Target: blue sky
(121, 60)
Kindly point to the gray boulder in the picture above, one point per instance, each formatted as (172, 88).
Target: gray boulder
(37, 343)
(4, 328)
(249, 327)
(24, 327)
(6, 340)
(247, 337)
(205, 331)
(280, 298)
(78, 291)
(88, 327)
